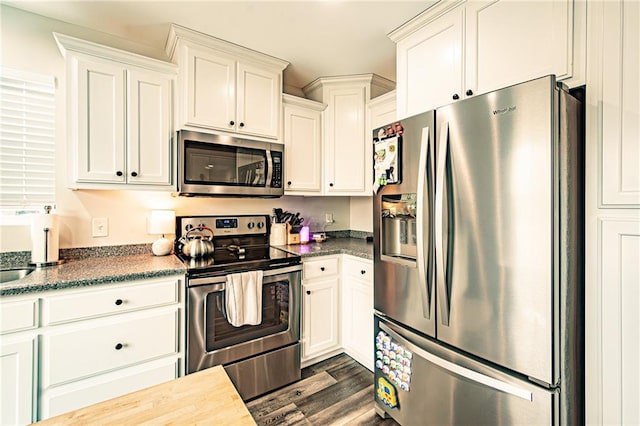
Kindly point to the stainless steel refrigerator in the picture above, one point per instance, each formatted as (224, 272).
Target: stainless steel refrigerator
(478, 248)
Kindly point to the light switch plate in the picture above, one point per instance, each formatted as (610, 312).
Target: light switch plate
(99, 227)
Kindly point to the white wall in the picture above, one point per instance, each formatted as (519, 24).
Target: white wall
(361, 214)
(27, 44)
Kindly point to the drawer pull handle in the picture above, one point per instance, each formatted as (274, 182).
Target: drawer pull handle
(119, 302)
(322, 268)
(363, 272)
(119, 346)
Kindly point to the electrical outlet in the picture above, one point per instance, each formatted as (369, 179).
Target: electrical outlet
(328, 217)
(99, 227)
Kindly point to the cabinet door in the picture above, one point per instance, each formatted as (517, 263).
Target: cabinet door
(508, 42)
(381, 112)
(357, 320)
(320, 326)
(16, 370)
(210, 99)
(149, 128)
(258, 101)
(347, 165)
(429, 65)
(302, 141)
(100, 138)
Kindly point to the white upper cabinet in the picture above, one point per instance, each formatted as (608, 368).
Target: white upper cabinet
(119, 117)
(225, 87)
(302, 145)
(381, 111)
(459, 49)
(347, 162)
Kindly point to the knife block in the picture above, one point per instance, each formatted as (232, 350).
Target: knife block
(292, 238)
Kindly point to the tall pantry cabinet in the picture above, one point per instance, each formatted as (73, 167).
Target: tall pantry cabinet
(613, 213)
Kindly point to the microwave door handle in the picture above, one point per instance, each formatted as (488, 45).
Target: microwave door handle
(443, 294)
(424, 260)
(269, 169)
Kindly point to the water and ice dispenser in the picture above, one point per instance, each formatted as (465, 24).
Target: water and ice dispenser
(398, 230)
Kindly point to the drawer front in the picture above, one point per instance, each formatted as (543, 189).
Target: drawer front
(18, 316)
(108, 345)
(77, 395)
(95, 303)
(322, 267)
(360, 269)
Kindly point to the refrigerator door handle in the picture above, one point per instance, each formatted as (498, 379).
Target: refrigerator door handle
(424, 260)
(456, 369)
(443, 291)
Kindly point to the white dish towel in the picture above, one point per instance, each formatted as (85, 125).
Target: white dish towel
(243, 298)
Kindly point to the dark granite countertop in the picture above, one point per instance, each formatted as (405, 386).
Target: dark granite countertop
(94, 271)
(114, 269)
(354, 246)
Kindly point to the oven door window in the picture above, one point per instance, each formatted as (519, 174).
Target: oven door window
(214, 164)
(275, 317)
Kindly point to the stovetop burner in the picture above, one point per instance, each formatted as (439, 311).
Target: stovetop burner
(241, 244)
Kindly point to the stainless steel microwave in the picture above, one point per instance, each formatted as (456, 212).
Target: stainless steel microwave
(217, 165)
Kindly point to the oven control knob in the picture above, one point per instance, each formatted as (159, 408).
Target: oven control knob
(260, 225)
(250, 225)
(188, 227)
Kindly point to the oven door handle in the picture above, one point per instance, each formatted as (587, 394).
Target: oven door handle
(219, 281)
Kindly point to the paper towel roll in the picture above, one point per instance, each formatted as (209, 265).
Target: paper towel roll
(44, 245)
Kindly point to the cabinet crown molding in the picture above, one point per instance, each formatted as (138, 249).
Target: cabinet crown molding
(419, 21)
(70, 45)
(377, 84)
(303, 102)
(179, 33)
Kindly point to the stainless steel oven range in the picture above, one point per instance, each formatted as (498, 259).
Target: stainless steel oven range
(257, 358)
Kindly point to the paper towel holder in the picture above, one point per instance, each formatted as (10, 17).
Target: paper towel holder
(47, 210)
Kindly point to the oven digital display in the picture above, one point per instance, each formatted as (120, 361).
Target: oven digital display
(226, 223)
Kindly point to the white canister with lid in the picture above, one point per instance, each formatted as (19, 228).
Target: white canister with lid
(278, 234)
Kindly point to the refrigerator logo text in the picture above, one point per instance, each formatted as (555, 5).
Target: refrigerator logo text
(504, 110)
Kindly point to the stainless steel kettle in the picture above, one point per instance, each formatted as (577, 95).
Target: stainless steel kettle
(199, 245)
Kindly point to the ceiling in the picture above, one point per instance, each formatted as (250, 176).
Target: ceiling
(318, 38)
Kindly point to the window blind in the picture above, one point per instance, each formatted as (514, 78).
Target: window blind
(27, 140)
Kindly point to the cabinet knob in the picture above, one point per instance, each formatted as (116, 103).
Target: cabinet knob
(134, 174)
(289, 183)
(231, 123)
(363, 272)
(322, 268)
(469, 92)
(118, 173)
(330, 184)
(455, 97)
(241, 124)
(308, 291)
(119, 302)
(119, 346)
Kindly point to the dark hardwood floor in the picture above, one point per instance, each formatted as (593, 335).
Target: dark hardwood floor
(338, 391)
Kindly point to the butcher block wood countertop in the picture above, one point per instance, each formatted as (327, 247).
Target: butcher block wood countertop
(205, 397)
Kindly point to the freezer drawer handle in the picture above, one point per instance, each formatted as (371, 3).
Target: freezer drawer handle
(459, 370)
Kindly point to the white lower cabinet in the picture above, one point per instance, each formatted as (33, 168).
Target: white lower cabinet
(87, 345)
(102, 342)
(17, 373)
(18, 348)
(320, 308)
(357, 309)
